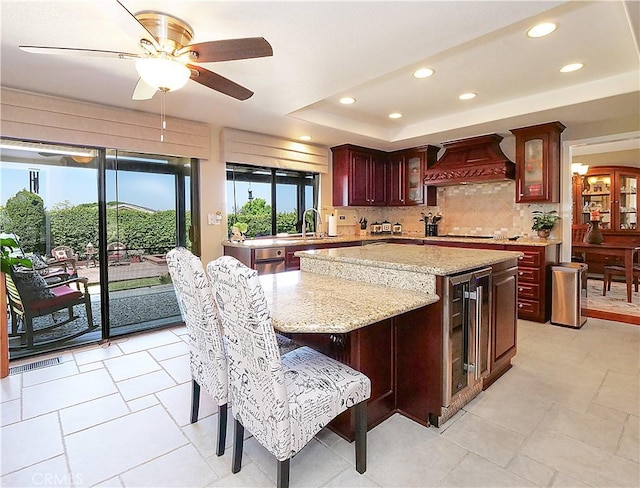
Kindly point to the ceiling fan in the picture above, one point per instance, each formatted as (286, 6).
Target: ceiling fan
(167, 60)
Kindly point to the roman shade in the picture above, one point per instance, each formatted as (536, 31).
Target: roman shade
(263, 150)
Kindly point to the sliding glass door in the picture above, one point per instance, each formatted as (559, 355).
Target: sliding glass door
(147, 210)
(49, 205)
(113, 215)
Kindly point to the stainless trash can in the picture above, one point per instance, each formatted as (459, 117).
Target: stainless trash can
(566, 290)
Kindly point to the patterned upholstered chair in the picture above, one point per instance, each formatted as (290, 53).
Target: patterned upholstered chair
(284, 401)
(208, 362)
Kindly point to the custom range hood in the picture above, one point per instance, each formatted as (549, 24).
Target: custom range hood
(473, 160)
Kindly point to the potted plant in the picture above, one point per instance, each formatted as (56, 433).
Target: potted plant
(7, 245)
(543, 222)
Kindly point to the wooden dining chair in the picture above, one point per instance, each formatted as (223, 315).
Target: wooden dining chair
(616, 270)
(283, 400)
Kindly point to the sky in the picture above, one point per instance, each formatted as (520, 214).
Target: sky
(286, 195)
(79, 185)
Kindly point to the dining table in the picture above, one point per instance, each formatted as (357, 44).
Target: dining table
(627, 251)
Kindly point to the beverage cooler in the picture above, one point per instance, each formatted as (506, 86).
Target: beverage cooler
(467, 311)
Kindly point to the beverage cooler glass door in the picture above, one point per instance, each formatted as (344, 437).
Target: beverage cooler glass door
(467, 349)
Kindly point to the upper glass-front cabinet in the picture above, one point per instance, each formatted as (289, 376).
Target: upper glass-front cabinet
(611, 193)
(538, 163)
(628, 202)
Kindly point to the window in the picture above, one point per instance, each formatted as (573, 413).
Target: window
(269, 200)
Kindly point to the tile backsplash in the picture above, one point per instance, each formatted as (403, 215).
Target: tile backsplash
(477, 209)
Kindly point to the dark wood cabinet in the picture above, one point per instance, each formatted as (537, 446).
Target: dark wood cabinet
(396, 179)
(534, 278)
(359, 176)
(504, 322)
(612, 192)
(538, 163)
(366, 177)
(534, 281)
(405, 178)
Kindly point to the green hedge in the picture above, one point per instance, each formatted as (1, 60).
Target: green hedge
(76, 226)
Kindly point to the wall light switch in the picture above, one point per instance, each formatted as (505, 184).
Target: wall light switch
(211, 219)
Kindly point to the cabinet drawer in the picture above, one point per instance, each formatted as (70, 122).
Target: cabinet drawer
(529, 259)
(528, 307)
(529, 290)
(528, 274)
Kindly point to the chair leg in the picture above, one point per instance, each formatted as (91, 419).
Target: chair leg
(361, 436)
(195, 400)
(89, 311)
(283, 474)
(238, 441)
(222, 429)
(28, 322)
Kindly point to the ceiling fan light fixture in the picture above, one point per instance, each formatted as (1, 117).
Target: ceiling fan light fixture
(82, 159)
(163, 73)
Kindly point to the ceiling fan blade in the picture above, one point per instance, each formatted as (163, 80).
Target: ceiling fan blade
(143, 91)
(134, 28)
(72, 51)
(219, 83)
(230, 49)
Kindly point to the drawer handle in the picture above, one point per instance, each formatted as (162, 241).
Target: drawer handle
(520, 273)
(519, 305)
(520, 289)
(521, 258)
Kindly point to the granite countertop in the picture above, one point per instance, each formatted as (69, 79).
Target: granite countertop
(306, 302)
(433, 260)
(297, 241)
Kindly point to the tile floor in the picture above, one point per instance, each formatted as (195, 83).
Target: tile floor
(566, 415)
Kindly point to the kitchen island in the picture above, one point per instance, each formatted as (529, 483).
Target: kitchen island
(534, 276)
(383, 315)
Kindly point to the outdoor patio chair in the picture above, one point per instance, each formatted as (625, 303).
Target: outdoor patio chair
(63, 253)
(207, 358)
(29, 297)
(52, 272)
(283, 400)
(116, 254)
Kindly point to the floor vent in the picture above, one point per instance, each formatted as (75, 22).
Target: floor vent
(37, 365)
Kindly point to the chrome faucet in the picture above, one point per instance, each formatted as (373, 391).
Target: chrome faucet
(318, 223)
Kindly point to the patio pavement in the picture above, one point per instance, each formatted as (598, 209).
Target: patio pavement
(130, 271)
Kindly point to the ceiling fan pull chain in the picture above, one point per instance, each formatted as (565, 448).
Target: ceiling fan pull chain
(163, 122)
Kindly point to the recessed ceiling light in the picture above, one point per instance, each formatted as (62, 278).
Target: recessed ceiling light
(467, 96)
(347, 100)
(395, 115)
(305, 138)
(571, 67)
(541, 30)
(423, 73)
